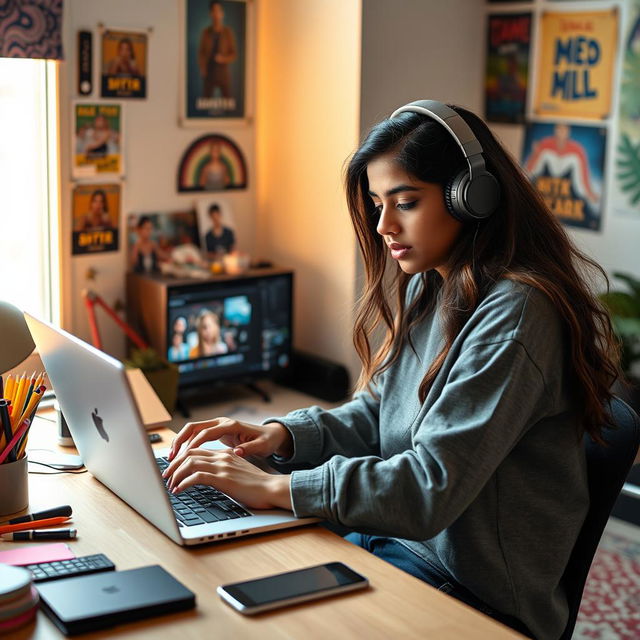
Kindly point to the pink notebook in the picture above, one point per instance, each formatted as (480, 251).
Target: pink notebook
(37, 553)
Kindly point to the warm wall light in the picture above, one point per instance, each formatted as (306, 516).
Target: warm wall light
(15, 338)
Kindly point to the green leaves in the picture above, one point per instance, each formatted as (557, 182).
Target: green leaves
(145, 359)
(628, 164)
(624, 309)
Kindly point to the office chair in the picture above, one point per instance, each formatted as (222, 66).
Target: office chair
(607, 469)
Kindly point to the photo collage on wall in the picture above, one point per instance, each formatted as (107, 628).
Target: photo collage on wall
(212, 78)
(565, 142)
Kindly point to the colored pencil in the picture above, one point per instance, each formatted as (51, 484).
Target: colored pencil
(18, 400)
(9, 388)
(7, 452)
(33, 403)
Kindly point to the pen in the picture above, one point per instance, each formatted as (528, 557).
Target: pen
(35, 524)
(64, 510)
(47, 534)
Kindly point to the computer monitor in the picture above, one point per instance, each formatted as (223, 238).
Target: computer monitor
(231, 329)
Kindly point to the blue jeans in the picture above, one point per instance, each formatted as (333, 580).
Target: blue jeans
(395, 553)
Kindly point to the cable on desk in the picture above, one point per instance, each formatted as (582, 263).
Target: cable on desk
(56, 472)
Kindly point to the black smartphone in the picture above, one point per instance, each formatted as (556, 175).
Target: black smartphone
(292, 587)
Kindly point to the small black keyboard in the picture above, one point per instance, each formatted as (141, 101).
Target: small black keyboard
(44, 571)
(201, 504)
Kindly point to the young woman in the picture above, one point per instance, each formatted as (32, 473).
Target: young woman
(210, 342)
(461, 460)
(97, 218)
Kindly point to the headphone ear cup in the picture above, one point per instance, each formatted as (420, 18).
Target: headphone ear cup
(452, 197)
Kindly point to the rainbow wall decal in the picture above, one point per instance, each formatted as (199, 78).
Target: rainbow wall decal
(212, 163)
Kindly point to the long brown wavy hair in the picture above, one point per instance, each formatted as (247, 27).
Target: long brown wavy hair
(521, 241)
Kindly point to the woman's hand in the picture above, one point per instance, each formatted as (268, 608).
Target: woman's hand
(231, 474)
(245, 439)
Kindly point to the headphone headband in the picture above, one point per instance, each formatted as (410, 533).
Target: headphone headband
(455, 125)
(469, 196)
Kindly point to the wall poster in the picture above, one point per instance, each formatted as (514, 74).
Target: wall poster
(566, 163)
(507, 72)
(97, 142)
(576, 64)
(215, 57)
(212, 162)
(96, 218)
(124, 64)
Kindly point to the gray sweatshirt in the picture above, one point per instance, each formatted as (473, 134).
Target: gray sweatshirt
(485, 479)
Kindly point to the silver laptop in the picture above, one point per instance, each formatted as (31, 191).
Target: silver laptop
(96, 401)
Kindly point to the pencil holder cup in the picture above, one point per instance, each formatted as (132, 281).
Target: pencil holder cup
(14, 486)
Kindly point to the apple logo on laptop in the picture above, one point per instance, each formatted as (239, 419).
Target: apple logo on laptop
(111, 589)
(97, 420)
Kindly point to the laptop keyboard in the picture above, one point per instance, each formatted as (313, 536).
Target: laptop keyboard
(200, 504)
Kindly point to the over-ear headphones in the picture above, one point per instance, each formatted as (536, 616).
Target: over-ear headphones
(472, 195)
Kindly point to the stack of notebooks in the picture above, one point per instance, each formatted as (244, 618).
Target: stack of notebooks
(18, 598)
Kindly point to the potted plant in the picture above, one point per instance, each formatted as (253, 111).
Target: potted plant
(624, 308)
(161, 374)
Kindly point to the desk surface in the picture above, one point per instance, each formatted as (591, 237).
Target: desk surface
(397, 605)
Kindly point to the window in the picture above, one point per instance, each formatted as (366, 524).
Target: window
(29, 185)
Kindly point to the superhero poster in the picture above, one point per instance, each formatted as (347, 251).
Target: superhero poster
(215, 60)
(96, 218)
(507, 68)
(566, 163)
(124, 64)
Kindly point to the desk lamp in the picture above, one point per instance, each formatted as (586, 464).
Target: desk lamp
(15, 338)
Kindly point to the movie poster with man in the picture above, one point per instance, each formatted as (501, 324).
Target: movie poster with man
(507, 72)
(576, 64)
(97, 140)
(566, 163)
(124, 64)
(215, 40)
(96, 218)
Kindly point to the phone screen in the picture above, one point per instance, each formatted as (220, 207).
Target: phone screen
(293, 583)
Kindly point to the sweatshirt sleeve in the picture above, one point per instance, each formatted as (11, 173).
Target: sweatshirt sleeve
(348, 430)
(492, 394)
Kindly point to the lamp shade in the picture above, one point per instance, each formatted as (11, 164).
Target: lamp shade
(16, 342)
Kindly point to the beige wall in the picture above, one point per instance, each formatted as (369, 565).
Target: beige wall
(307, 124)
(154, 143)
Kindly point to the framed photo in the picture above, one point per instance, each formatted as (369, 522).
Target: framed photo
(218, 236)
(214, 61)
(96, 218)
(212, 163)
(97, 140)
(124, 64)
(152, 239)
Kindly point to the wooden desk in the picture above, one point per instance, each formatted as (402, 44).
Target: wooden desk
(396, 606)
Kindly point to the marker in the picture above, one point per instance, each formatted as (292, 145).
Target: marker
(7, 429)
(46, 534)
(36, 524)
(64, 510)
